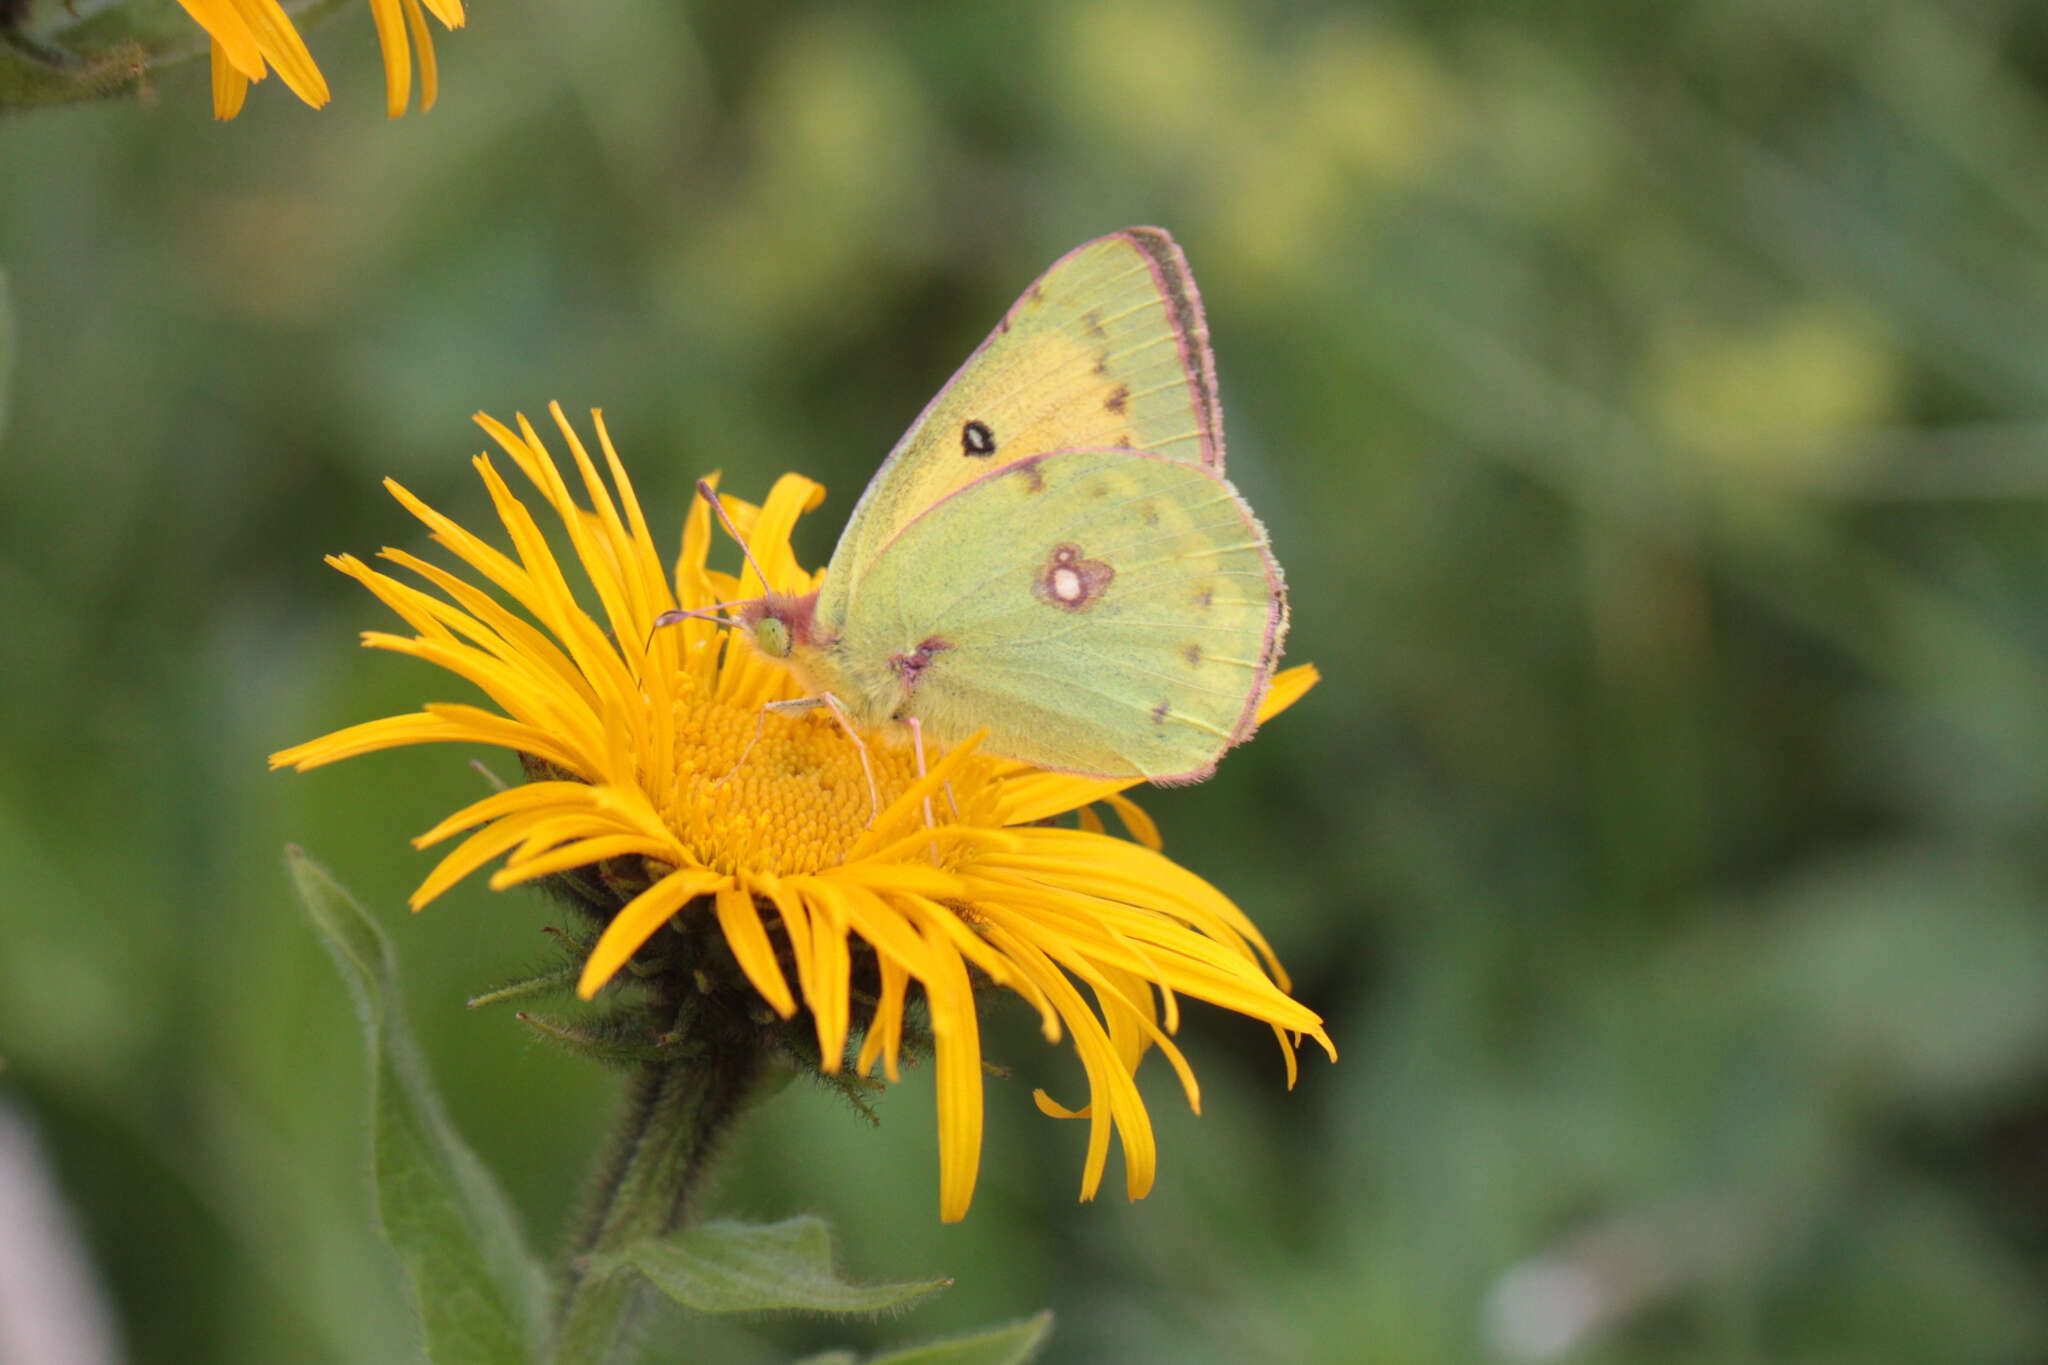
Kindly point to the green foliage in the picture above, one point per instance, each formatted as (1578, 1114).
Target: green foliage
(480, 1295)
(1011, 1345)
(724, 1267)
(479, 1292)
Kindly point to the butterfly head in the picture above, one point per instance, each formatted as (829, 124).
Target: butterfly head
(786, 629)
(779, 624)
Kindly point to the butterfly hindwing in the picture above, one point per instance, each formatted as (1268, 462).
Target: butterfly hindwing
(1104, 611)
(1108, 348)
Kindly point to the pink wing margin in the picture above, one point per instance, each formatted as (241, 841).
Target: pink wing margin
(1176, 284)
(1169, 266)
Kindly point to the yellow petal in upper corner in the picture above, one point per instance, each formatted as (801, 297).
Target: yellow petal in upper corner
(230, 86)
(281, 45)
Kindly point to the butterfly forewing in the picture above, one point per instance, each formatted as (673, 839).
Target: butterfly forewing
(1107, 612)
(1108, 349)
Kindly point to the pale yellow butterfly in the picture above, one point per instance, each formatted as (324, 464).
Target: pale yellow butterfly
(1051, 552)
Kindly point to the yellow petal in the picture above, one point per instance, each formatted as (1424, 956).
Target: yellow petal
(796, 922)
(386, 732)
(744, 934)
(1289, 686)
(472, 853)
(530, 865)
(1114, 1103)
(1029, 795)
(1136, 821)
(956, 1037)
(423, 43)
(692, 584)
(232, 39)
(281, 44)
(768, 538)
(638, 920)
(397, 57)
(830, 968)
(230, 87)
(885, 1030)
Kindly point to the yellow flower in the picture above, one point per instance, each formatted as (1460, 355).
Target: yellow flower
(249, 33)
(649, 749)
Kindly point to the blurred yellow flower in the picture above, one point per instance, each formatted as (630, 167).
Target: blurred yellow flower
(247, 34)
(649, 753)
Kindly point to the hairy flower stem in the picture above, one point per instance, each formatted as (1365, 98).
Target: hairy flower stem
(676, 1111)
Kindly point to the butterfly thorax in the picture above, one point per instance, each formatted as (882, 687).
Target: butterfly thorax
(787, 629)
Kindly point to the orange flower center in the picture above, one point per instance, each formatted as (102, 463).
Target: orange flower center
(785, 794)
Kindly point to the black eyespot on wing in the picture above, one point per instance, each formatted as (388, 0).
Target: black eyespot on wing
(977, 440)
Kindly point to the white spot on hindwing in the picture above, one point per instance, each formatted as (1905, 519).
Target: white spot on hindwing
(1070, 582)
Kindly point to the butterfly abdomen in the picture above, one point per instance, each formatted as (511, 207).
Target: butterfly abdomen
(893, 691)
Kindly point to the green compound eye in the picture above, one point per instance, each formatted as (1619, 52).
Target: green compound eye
(772, 635)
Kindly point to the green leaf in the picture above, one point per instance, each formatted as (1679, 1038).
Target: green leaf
(1010, 1345)
(479, 1291)
(727, 1267)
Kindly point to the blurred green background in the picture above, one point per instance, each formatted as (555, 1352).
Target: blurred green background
(1645, 400)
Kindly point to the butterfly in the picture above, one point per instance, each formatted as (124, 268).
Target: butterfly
(1052, 552)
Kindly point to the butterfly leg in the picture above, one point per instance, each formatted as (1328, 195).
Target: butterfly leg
(760, 724)
(796, 705)
(838, 710)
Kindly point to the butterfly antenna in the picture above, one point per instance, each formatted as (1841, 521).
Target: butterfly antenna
(710, 495)
(675, 614)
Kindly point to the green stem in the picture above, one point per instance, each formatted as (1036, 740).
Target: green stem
(676, 1112)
